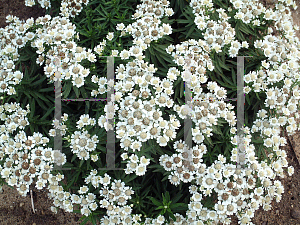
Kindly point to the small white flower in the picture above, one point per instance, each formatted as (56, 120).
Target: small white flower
(110, 36)
(290, 170)
(84, 189)
(94, 158)
(140, 170)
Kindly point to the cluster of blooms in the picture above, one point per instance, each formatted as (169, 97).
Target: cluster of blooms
(249, 11)
(219, 33)
(100, 48)
(140, 117)
(148, 26)
(141, 121)
(115, 196)
(12, 37)
(184, 164)
(44, 3)
(102, 81)
(136, 165)
(281, 68)
(62, 127)
(26, 157)
(71, 7)
(239, 191)
(58, 34)
(236, 188)
(81, 142)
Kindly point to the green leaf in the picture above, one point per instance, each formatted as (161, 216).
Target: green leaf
(73, 158)
(155, 202)
(41, 104)
(181, 89)
(46, 89)
(39, 81)
(47, 113)
(192, 29)
(40, 96)
(32, 108)
(81, 162)
(76, 90)
(247, 99)
(67, 90)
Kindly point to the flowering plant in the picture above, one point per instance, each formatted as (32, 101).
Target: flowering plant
(165, 53)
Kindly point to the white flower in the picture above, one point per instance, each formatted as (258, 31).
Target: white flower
(94, 158)
(110, 36)
(160, 219)
(290, 170)
(85, 211)
(78, 81)
(125, 54)
(140, 170)
(120, 26)
(84, 189)
(169, 12)
(134, 158)
(54, 209)
(105, 180)
(114, 53)
(174, 179)
(124, 156)
(144, 161)
(245, 44)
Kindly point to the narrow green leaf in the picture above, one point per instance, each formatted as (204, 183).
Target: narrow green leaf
(76, 90)
(155, 202)
(181, 89)
(192, 29)
(32, 108)
(46, 89)
(47, 113)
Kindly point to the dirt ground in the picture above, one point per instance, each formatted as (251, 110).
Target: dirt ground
(17, 210)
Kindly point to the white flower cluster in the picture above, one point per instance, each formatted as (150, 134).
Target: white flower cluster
(140, 96)
(62, 127)
(184, 163)
(12, 37)
(217, 34)
(115, 196)
(26, 157)
(136, 165)
(236, 188)
(148, 26)
(249, 11)
(282, 67)
(70, 8)
(58, 34)
(66, 201)
(44, 3)
(81, 141)
(139, 114)
(102, 81)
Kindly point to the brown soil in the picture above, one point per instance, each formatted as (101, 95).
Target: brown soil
(15, 209)
(18, 8)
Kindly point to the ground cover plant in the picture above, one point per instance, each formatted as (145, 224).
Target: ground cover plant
(163, 46)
